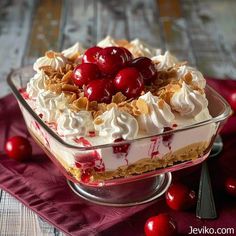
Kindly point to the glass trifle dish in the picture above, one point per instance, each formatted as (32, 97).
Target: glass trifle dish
(118, 113)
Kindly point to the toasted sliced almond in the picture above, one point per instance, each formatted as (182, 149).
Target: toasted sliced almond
(66, 77)
(98, 121)
(142, 106)
(118, 98)
(70, 88)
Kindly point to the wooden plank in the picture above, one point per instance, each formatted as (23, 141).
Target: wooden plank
(214, 55)
(79, 23)
(46, 29)
(17, 220)
(174, 30)
(111, 19)
(14, 28)
(129, 20)
(142, 20)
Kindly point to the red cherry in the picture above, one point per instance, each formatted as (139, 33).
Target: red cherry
(180, 197)
(232, 100)
(130, 82)
(85, 73)
(160, 225)
(128, 54)
(146, 68)
(18, 148)
(91, 55)
(100, 90)
(230, 186)
(111, 59)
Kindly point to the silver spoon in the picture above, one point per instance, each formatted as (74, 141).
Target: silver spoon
(206, 205)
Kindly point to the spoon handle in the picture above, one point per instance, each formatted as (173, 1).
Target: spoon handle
(205, 205)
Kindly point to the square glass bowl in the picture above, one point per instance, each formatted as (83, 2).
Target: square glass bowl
(89, 167)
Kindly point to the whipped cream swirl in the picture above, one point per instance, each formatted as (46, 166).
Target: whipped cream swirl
(53, 59)
(74, 51)
(138, 48)
(107, 42)
(36, 84)
(163, 62)
(115, 124)
(159, 115)
(197, 77)
(75, 123)
(50, 105)
(188, 102)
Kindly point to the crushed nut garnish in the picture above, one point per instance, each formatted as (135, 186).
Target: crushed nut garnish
(118, 98)
(98, 121)
(188, 78)
(142, 106)
(161, 103)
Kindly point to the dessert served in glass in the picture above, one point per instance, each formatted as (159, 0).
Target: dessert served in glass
(118, 117)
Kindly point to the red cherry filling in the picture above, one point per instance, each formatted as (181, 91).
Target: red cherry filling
(180, 197)
(100, 90)
(91, 55)
(146, 68)
(18, 148)
(111, 59)
(84, 73)
(85, 176)
(160, 225)
(130, 82)
(120, 148)
(230, 186)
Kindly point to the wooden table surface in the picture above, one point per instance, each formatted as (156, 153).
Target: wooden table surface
(202, 32)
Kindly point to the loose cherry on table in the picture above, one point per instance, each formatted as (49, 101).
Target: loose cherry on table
(160, 225)
(91, 55)
(180, 197)
(112, 59)
(100, 90)
(146, 68)
(18, 148)
(130, 82)
(84, 73)
(230, 186)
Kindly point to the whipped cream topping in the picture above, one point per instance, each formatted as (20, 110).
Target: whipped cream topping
(53, 59)
(160, 115)
(73, 52)
(188, 102)
(107, 42)
(163, 62)
(75, 123)
(116, 124)
(50, 105)
(139, 48)
(36, 84)
(197, 77)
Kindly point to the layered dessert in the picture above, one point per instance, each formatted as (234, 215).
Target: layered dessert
(113, 101)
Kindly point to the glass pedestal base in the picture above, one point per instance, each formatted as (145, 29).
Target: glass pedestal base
(123, 195)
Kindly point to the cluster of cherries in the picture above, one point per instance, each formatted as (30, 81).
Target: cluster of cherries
(105, 71)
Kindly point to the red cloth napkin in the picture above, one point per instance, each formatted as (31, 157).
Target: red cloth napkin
(41, 187)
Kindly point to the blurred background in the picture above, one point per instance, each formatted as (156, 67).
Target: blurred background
(200, 31)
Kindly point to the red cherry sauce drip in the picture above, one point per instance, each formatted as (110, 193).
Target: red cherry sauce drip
(121, 149)
(88, 161)
(92, 134)
(167, 139)
(24, 94)
(153, 150)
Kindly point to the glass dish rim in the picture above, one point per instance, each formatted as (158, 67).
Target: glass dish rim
(224, 115)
